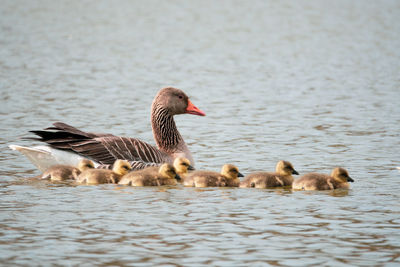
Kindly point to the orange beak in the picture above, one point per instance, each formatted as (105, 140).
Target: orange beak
(192, 109)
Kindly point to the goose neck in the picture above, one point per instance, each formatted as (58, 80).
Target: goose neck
(165, 133)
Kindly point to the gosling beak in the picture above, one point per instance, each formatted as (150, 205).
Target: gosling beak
(240, 175)
(177, 177)
(295, 172)
(191, 168)
(349, 179)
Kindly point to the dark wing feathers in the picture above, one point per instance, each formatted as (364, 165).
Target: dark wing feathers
(131, 149)
(103, 148)
(136, 165)
(60, 126)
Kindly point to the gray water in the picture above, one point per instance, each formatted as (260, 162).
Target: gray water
(313, 82)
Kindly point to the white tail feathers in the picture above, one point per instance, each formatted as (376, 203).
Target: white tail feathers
(43, 157)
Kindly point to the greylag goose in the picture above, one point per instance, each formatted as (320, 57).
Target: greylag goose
(339, 178)
(66, 172)
(67, 145)
(282, 177)
(165, 175)
(102, 176)
(227, 177)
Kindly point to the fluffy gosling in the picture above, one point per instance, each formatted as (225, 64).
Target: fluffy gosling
(66, 172)
(164, 175)
(280, 178)
(339, 178)
(102, 176)
(182, 166)
(228, 177)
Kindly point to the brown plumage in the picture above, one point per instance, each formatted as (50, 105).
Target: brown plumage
(227, 177)
(102, 176)
(280, 178)
(106, 148)
(66, 172)
(163, 175)
(339, 178)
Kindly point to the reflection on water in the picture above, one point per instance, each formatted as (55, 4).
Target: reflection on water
(277, 81)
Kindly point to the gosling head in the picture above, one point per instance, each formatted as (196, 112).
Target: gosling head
(285, 168)
(230, 171)
(340, 174)
(168, 171)
(121, 167)
(85, 164)
(182, 165)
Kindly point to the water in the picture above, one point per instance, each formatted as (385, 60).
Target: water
(313, 82)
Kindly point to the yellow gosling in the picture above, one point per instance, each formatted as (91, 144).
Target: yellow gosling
(66, 172)
(228, 177)
(102, 176)
(163, 175)
(339, 178)
(280, 178)
(182, 166)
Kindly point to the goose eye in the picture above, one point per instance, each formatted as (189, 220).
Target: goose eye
(180, 96)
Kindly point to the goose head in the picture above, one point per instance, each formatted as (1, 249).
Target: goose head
(341, 175)
(230, 171)
(121, 167)
(85, 164)
(176, 102)
(285, 168)
(168, 171)
(182, 165)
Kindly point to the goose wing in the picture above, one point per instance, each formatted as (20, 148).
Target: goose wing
(103, 148)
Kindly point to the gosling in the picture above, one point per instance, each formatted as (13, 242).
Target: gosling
(182, 166)
(66, 172)
(164, 175)
(281, 178)
(228, 177)
(339, 178)
(102, 176)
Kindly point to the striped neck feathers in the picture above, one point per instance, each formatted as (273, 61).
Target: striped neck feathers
(165, 133)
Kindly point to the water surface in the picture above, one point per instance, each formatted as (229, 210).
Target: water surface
(313, 82)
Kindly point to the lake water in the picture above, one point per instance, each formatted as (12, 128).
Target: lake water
(313, 82)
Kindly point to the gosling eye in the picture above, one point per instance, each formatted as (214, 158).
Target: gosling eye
(125, 167)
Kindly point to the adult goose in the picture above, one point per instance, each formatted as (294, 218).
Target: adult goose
(68, 145)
